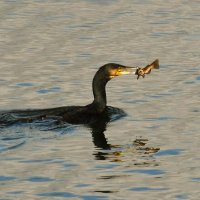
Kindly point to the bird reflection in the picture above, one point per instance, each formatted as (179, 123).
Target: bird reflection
(97, 129)
(104, 150)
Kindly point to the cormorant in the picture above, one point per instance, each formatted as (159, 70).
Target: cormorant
(81, 114)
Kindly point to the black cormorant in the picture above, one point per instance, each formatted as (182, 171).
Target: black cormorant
(81, 114)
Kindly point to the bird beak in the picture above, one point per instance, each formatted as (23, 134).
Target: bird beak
(127, 70)
(123, 71)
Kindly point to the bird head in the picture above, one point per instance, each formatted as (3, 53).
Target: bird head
(113, 70)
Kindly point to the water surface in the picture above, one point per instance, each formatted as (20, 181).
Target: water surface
(49, 53)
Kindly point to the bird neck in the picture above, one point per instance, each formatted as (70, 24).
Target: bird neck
(99, 91)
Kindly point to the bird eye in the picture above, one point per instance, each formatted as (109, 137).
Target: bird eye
(119, 69)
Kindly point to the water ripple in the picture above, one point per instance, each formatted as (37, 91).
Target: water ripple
(143, 189)
(169, 152)
(57, 194)
(198, 78)
(25, 84)
(196, 179)
(49, 90)
(6, 147)
(147, 171)
(39, 179)
(7, 178)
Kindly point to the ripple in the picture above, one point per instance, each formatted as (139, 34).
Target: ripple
(93, 197)
(196, 179)
(53, 161)
(137, 101)
(85, 55)
(70, 165)
(195, 110)
(7, 178)
(11, 146)
(49, 90)
(182, 196)
(39, 179)
(16, 192)
(108, 166)
(189, 82)
(198, 78)
(160, 95)
(24, 84)
(105, 191)
(143, 189)
(162, 118)
(11, 138)
(36, 161)
(147, 171)
(169, 152)
(83, 185)
(102, 2)
(153, 127)
(57, 194)
(63, 62)
(112, 177)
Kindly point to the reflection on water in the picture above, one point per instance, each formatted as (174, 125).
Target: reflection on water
(98, 128)
(49, 53)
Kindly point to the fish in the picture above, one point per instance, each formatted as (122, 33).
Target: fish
(147, 70)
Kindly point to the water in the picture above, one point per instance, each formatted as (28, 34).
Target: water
(49, 53)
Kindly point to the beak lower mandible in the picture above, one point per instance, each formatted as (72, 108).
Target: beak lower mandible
(130, 70)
